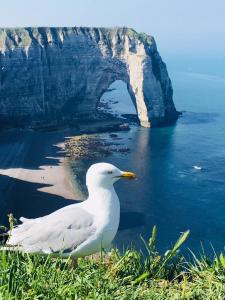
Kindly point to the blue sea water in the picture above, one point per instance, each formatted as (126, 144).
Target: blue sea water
(171, 193)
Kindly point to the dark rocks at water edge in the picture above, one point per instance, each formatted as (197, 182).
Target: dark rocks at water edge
(93, 147)
(57, 75)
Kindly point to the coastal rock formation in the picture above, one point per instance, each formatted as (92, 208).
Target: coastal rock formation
(51, 74)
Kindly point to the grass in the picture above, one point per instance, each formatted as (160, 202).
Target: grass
(114, 276)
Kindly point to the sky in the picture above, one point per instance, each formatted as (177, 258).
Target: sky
(179, 26)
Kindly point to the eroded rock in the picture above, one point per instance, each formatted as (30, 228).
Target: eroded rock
(59, 74)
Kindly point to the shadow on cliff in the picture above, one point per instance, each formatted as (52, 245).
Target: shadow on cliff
(31, 149)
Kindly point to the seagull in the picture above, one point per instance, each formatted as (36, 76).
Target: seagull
(76, 230)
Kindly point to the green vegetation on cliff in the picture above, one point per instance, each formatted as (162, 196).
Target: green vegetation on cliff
(113, 276)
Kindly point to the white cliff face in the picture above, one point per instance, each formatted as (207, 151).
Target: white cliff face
(61, 73)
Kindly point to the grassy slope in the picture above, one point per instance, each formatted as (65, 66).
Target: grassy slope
(113, 276)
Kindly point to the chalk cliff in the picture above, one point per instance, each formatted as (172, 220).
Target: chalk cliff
(61, 73)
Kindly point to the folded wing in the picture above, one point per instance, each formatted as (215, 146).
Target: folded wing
(61, 231)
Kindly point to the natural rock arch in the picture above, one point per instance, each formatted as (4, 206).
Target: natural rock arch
(58, 73)
(117, 100)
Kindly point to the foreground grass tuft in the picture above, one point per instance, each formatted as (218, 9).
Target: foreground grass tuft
(113, 276)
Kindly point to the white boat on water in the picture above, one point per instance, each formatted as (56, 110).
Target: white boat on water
(197, 167)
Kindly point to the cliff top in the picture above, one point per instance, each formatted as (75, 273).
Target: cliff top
(25, 36)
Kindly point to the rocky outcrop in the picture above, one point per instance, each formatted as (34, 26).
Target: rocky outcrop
(50, 74)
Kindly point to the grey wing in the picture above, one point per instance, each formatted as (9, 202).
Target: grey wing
(61, 231)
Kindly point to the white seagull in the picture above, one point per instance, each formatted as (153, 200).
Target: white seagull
(76, 230)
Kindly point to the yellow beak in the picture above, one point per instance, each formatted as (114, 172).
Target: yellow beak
(128, 175)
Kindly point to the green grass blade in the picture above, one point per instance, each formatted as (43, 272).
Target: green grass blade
(180, 241)
(153, 238)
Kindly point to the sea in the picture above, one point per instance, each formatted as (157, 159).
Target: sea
(180, 168)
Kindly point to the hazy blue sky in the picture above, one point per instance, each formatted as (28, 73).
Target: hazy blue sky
(179, 26)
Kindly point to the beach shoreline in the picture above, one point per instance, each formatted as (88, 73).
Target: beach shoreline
(35, 173)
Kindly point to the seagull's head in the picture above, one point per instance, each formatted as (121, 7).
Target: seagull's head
(105, 175)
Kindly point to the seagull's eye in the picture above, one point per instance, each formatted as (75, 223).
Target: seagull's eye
(110, 172)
